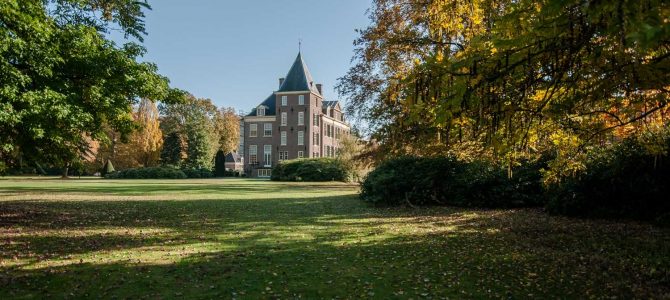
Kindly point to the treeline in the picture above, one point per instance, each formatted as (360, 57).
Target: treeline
(504, 83)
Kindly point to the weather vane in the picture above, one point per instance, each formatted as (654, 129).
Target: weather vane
(299, 45)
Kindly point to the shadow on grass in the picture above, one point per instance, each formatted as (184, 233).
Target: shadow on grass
(317, 248)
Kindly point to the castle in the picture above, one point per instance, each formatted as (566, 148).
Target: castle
(293, 122)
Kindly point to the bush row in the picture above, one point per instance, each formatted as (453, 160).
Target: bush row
(448, 181)
(310, 169)
(624, 181)
(148, 173)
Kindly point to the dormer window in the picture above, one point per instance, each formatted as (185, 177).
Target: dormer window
(260, 111)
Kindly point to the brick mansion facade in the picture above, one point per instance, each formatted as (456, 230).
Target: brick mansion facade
(293, 122)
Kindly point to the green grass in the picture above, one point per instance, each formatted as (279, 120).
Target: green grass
(248, 239)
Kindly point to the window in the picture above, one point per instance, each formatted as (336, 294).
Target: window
(328, 127)
(253, 155)
(264, 173)
(301, 100)
(260, 111)
(284, 100)
(301, 118)
(301, 138)
(283, 138)
(316, 119)
(283, 155)
(267, 129)
(253, 130)
(301, 154)
(316, 138)
(337, 133)
(267, 155)
(283, 119)
(315, 154)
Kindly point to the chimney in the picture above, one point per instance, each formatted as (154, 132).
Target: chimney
(281, 80)
(318, 88)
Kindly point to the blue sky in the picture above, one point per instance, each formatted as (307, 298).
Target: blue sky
(234, 52)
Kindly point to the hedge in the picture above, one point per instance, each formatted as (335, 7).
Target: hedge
(448, 181)
(310, 169)
(148, 173)
(623, 181)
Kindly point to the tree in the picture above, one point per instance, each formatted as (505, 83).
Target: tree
(509, 78)
(144, 145)
(193, 120)
(220, 164)
(227, 124)
(107, 168)
(64, 82)
(174, 150)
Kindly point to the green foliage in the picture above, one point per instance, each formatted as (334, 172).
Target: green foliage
(148, 173)
(449, 181)
(220, 164)
(312, 169)
(198, 173)
(173, 150)
(108, 168)
(623, 181)
(193, 120)
(57, 67)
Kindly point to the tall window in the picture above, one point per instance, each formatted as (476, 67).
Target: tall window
(301, 138)
(283, 155)
(267, 155)
(301, 100)
(301, 154)
(284, 100)
(337, 133)
(316, 138)
(253, 154)
(260, 111)
(301, 118)
(253, 130)
(267, 129)
(316, 119)
(283, 119)
(283, 138)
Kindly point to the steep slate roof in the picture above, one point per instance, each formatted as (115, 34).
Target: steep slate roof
(233, 157)
(269, 103)
(298, 78)
(329, 103)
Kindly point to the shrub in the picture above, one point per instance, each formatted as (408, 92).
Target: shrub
(311, 169)
(220, 164)
(448, 181)
(148, 173)
(622, 181)
(198, 173)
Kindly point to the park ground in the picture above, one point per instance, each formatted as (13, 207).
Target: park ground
(249, 239)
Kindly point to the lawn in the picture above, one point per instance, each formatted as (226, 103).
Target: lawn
(248, 239)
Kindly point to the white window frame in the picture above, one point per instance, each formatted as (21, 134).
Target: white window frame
(283, 138)
(267, 127)
(301, 118)
(284, 100)
(253, 130)
(267, 155)
(301, 99)
(253, 154)
(260, 111)
(315, 136)
(301, 138)
(283, 155)
(301, 154)
(284, 118)
(264, 173)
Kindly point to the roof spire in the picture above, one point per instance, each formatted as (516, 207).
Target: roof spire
(299, 45)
